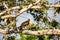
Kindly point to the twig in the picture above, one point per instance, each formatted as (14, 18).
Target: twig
(21, 11)
(17, 7)
(38, 33)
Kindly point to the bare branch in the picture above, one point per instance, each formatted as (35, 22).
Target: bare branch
(17, 7)
(39, 32)
(3, 31)
(24, 9)
(53, 5)
(5, 5)
(8, 16)
(20, 12)
(43, 32)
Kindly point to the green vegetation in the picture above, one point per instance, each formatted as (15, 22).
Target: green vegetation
(39, 14)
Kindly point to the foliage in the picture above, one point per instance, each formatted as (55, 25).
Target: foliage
(27, 37)
(34, 27)
(57, 9)
(39, 14)
(9, 37)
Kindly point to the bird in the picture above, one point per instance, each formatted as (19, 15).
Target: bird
(24, 24)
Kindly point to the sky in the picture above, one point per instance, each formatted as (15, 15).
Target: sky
(24, 16)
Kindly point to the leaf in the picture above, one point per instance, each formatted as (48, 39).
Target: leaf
(46, 38)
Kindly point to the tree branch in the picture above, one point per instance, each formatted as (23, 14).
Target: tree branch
(56, 5)
(21, 11)
(43, 32)
(3, 31)
(13, 8)
(18, 7)
(38, 33)
(24, 9)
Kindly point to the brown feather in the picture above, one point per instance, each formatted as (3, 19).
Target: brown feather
(25, 23)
